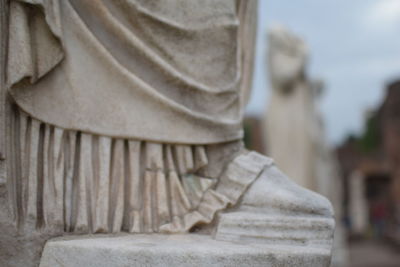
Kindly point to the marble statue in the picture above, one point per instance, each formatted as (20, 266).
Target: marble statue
(294, 128)
(125, 116)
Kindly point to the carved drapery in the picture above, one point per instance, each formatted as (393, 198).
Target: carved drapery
(134, 69)
(112, 100)
(62, 180)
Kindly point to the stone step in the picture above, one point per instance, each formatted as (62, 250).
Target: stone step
(275, 229)
(173, 250)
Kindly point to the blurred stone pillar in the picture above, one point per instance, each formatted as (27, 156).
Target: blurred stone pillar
(358, 204)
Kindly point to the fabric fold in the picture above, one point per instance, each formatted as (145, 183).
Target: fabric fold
(34, 40)
(238, 176)
(147, 60)
(78, 182)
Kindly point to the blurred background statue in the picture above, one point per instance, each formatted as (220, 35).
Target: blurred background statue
(290, 124)
(294, 128)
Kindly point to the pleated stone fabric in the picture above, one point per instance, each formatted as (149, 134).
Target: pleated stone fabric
(62, 180)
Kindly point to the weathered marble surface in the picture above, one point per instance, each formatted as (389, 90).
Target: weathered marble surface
(176, 250)
(275, 210)
(115, 127)
(90, 65)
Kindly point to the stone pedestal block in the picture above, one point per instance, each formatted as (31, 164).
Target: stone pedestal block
(174, 250)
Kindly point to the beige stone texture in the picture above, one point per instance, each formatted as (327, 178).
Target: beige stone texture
(175, 250)
(126, 117)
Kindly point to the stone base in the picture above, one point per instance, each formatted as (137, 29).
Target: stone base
(295, 231)
(174, 250)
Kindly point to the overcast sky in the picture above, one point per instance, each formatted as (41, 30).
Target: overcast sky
(354, 47)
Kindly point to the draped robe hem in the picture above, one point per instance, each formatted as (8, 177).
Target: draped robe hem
(68, 181)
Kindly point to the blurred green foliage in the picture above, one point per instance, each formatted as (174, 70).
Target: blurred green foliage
(370, 140)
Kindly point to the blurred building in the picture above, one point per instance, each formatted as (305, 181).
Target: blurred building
(390, 124)
(370, 166)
